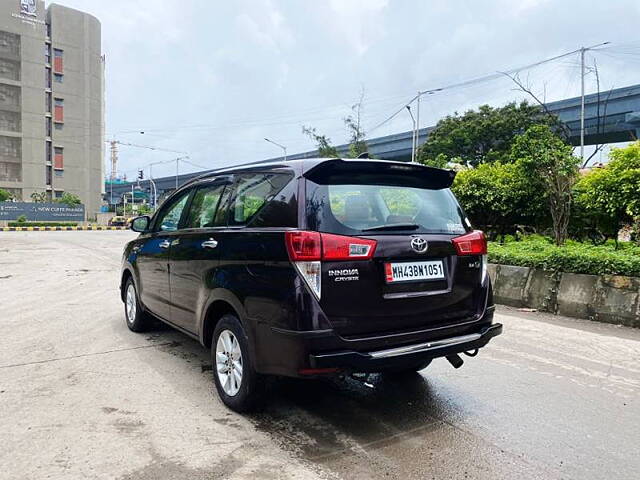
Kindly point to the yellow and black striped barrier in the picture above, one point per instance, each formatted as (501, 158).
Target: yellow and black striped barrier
(58, 229)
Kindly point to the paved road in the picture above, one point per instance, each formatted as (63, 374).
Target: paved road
(82, 397)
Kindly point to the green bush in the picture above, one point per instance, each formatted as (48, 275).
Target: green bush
(42, 224)
(574, 257)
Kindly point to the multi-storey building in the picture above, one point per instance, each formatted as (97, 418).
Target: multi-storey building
(51, 102)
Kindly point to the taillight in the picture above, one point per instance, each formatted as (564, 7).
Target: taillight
(340, 247)
(307, 249)
(310, 246)
(473, 243)
(303, 246)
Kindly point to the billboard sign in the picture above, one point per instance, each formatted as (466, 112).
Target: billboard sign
(28, 7)
(41, 212)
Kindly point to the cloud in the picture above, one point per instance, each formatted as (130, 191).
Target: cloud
(249, 69)
(359, 22)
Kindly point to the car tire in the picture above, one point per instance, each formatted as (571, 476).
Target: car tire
(239, 386)
(137, 319)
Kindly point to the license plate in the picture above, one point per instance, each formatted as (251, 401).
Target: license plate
(413, 271)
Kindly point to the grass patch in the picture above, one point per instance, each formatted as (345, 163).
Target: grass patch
(574, 257)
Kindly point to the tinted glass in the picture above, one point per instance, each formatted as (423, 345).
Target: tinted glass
(281, 210)
(352, 209)
(204, 205)
(170, 217)
(252, 192)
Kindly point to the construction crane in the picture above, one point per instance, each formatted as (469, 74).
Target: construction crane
(114, 153)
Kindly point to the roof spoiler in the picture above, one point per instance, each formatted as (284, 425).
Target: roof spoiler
(379, 172)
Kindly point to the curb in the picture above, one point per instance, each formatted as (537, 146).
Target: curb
(56, 229)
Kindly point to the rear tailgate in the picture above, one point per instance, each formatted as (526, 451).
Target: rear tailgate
(359, 298)
(403, 287)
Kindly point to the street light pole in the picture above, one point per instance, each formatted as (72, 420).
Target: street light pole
(281, 146)
(154, 191)
(582, 50)
(417, 125)
(413, 137)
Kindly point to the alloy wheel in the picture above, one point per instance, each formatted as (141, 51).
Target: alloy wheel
(131, 303)
(229, 362)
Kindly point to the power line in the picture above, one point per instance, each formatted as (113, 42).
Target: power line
(474, 81)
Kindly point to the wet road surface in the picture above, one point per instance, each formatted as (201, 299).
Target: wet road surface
(82, 397)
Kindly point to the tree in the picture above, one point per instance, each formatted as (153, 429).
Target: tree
(560, 127)
(498, 197)
(611, 195)
(4, 195)
(357, 142)
(39, 197)
(325, 149)
(69, 199)
(479, 136)
(549, 162)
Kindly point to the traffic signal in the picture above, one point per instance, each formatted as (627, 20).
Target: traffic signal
(140, 174)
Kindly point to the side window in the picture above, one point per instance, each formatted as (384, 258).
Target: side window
(202, 213)
(252, 192)
(170, 218)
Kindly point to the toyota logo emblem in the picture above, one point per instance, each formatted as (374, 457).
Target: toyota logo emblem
(419, 244)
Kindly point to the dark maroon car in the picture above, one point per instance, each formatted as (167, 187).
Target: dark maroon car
(313, 267)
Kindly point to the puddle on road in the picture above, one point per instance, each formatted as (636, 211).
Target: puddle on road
(320, 418)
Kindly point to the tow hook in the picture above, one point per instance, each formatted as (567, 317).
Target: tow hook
(455, 360)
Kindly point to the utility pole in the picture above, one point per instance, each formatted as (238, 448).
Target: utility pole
(413, 137)
(177, 170)
(582, 50)
(417, 125)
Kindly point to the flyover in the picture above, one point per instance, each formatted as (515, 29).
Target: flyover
(610, 117)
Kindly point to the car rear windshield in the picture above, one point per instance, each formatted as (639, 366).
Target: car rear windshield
(378, 208)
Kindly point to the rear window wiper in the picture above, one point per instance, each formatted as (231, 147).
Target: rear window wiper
(393, 226)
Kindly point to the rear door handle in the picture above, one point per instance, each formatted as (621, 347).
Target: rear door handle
(211, 243)
(164, 244)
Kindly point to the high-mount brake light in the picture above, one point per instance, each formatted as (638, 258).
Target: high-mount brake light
(473, 243)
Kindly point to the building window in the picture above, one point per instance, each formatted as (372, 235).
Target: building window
(47, 77)
(47, 53)
(58, 110)
(58, 158)
(48, 126)
(48, 175)
(58, 78)
(48, 102)
(59, 193)
(59, 173)
(48, 152)
(49, 30)
(57, 61)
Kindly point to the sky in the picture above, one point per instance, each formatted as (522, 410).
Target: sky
(214, 78)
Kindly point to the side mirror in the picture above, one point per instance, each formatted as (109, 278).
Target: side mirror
(140, 224)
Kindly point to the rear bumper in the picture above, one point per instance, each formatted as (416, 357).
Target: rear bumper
(405, 356)
(289, 352)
